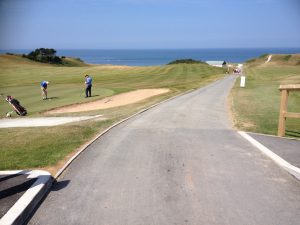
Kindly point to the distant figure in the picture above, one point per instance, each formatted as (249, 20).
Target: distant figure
(88, 89)
(44, 85)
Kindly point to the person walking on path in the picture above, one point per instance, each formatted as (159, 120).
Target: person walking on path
(44, 85)
(88, 89)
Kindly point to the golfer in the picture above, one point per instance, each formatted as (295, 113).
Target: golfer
(88, 88)
(44, 85)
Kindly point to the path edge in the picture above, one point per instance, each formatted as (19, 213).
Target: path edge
(25, 205)
(293, 170)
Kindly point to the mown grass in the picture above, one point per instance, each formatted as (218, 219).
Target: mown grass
(256, 107)
(24, 148)
(22, 80)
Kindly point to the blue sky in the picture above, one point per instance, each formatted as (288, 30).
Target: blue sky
(148, 24)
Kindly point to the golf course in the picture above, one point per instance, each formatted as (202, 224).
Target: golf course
(48, 147)
(254, 108)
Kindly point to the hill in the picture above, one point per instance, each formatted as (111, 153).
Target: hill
(18, 60)
(69, 61)
(256, 107)
(276, 59)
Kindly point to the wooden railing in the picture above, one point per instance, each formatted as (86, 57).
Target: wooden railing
(283, 114)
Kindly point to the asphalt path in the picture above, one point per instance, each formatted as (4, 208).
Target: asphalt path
(178, 163)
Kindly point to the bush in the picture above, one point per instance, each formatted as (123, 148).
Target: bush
(287, 57)
(44, 55)
(187, 61)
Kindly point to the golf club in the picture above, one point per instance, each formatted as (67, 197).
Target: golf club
(82, 92)
(107, 100)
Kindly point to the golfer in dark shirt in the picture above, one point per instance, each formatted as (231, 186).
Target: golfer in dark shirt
(88, 89)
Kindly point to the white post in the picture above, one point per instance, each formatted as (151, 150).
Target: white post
(243, 81)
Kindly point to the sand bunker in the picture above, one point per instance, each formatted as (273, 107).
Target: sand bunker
(113, 101)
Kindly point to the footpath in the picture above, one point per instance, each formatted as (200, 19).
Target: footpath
(21, 191)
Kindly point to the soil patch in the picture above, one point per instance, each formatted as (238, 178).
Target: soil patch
(110, 102)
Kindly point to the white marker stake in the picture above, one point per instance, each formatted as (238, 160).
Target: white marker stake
(243, 81)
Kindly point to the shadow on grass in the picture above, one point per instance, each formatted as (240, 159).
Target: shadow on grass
(52, 98)
(292, 133)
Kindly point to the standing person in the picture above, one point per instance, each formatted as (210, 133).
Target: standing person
(88, 89)
(44, 85)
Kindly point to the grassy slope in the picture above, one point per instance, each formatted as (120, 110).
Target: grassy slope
(43, 147)
(256, 107)
(67, 83)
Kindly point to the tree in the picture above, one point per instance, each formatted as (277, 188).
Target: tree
(44, 55)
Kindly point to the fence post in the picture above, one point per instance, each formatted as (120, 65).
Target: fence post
(283, 110)
(283, 113)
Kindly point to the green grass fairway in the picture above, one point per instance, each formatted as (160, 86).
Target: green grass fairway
(23, 148)
(21, 78)
(256, 107)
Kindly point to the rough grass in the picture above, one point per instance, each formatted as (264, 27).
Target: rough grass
(24, 148)
(256, 107)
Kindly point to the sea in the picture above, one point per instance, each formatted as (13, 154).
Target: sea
(150, 57)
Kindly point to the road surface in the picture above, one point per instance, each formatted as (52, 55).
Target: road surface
(178, 163)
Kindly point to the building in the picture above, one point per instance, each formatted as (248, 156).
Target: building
(217, 63)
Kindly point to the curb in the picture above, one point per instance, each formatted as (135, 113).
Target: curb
(293, 170)
(271, 135)
(21, 210)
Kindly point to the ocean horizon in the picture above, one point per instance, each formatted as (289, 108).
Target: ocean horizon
(150, 57)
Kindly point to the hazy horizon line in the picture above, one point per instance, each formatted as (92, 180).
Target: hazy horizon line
(196, 48)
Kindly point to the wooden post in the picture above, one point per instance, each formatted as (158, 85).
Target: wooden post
(283, 110)
(283, 114)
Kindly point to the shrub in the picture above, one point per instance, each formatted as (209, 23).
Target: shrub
(44, 55)
(188, 61)
(287, 57)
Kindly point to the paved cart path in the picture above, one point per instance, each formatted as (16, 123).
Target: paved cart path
(178, 163)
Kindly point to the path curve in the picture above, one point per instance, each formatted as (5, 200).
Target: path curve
(178, 163)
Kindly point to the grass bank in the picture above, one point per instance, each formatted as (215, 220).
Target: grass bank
(26, 148)
(256, 107)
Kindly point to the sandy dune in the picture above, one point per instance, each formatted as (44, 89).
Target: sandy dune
(113, 101)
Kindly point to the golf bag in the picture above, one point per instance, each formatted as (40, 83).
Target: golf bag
(20, 110)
